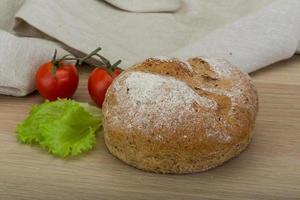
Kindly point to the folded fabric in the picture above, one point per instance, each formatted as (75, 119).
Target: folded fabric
(19, 59)
(147, 5)
(254, 41)
(251, 34)
(83, 25)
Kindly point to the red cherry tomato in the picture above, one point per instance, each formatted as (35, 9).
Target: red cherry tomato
(116, 72)
(63, 85)
(99, 81)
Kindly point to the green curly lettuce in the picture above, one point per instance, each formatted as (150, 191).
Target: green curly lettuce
(63, 127)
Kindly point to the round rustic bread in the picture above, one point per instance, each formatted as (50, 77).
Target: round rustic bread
(171, 116)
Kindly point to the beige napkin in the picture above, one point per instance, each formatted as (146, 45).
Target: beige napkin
(252, 34)
(19, 57)
(254, 41)
(147, 5)
(83, 25)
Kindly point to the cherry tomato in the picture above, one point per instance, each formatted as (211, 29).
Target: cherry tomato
(116, 72)
(99, 81)
(63, 85)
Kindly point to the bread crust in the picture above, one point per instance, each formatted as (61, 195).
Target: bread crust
(171, 116)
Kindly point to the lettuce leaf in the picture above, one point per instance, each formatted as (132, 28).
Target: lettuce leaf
(63, 127)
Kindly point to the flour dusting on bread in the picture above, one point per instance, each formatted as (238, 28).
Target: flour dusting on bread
(221, 67)
(239, 80)
(184, 64)
(156, 95)
(149, 88)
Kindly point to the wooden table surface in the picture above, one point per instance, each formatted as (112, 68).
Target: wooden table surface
(268, 169)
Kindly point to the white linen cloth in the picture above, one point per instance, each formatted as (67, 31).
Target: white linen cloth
(251, 34)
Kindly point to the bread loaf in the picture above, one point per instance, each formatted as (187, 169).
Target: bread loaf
(165, 115)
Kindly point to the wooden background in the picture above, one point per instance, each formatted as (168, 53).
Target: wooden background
(268, 169)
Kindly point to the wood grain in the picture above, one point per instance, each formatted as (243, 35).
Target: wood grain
(268, 169)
